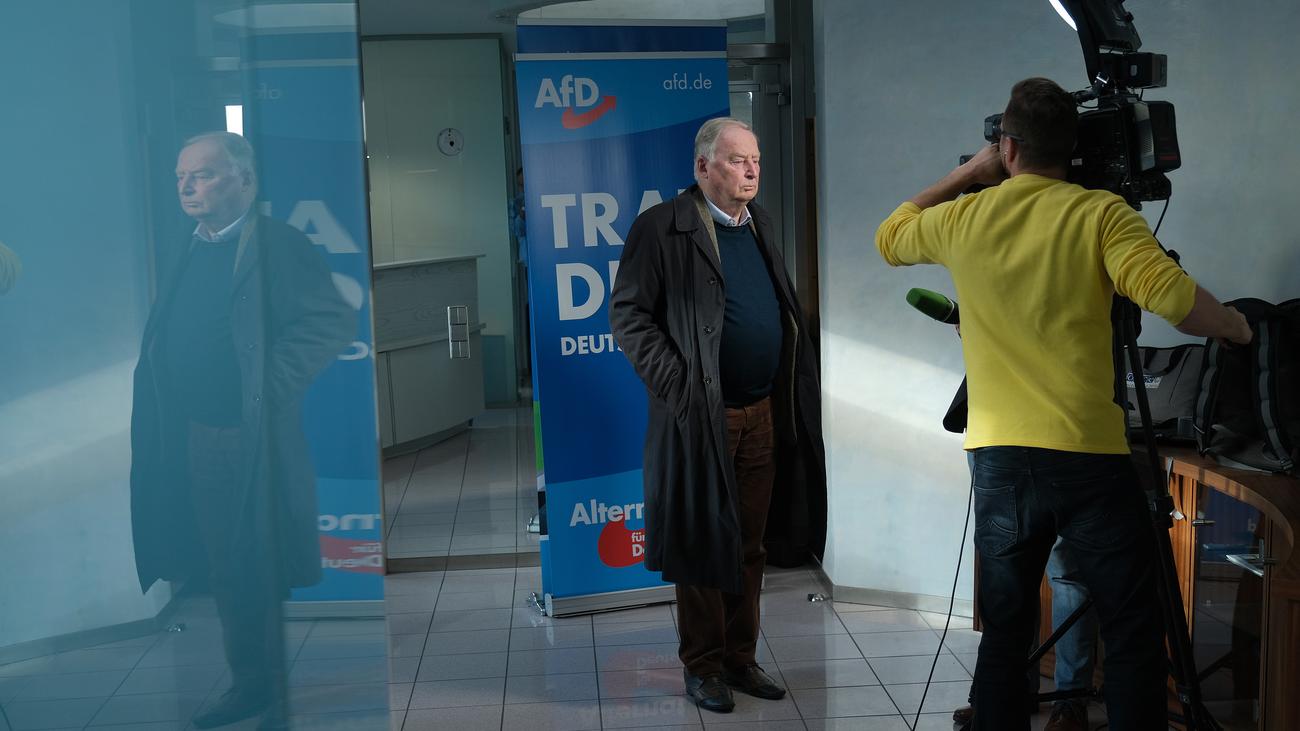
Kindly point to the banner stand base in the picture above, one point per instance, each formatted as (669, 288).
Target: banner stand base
(609, 601)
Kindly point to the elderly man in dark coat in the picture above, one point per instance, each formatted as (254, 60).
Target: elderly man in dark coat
(705, 311)
(222, 484)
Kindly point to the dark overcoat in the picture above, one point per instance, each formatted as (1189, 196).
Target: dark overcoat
(666, 312)
(288, 323)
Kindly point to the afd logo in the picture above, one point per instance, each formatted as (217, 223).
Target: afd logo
(574, 92)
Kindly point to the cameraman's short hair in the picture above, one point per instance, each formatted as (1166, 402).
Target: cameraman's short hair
(1045, 118)
(706, 140)
(238, 152)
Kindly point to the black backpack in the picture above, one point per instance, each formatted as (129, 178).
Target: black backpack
(1248, 409)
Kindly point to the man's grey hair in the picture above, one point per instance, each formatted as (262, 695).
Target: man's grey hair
(706, 140)
(238, 152)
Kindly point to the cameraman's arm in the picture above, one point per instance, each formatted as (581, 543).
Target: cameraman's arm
(918, 231)
(984, 168)
(1210, 319)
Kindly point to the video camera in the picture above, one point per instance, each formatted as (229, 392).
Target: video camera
(1125, 144)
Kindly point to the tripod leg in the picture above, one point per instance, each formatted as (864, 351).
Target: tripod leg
(1183, 664)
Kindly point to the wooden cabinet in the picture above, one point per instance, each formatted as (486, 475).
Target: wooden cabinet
(1239, 573)
(1240, 578)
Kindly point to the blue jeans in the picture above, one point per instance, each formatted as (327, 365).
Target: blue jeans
(1074, 651)
(1026, 497)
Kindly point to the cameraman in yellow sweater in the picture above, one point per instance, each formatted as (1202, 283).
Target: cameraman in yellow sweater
(1035, 261)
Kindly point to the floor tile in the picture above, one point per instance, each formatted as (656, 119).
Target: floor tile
(916, 669)
(963, 640)
(73, 713)
(827, 673)
(936, 621)
(478, 718)
(894, 620)
(402, 669)
(406, 624)
(649, 712)
(637, 657)
(549, 638)
(411, 645)
(753, 711)
(494, 598)
(458, 693)
(816, 622)
(399, 696)
(343, 698)
(467, 641)
(148, 707)
(72, 685)
(561, 716)
(653, 613)
(641, 683)
(339, 671)
(551, 688)
(543, 662)
(415, 602)
(722, 725)
(825, 647)
(939, 698)
(635, 633)
(349, 627)
(840, 702)
(863, 723)
(457, 667)
(889, 644)
(447, 620)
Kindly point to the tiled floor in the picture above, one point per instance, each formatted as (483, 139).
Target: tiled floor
(472, 494)
(337, 678)
(466, 653)
(469, 655)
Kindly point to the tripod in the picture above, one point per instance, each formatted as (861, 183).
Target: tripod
(1182, 664)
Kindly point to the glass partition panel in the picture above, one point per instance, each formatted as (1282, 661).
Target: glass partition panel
(188, 450)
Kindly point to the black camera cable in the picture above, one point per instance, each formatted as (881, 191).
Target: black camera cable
(952, 600)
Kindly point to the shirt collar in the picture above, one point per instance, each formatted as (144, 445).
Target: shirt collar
(226, 234)
(725, 220)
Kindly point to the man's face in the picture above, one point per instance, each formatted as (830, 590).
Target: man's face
(211, 190)
(730, 179)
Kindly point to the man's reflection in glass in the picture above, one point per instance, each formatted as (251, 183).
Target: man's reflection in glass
(222, 485)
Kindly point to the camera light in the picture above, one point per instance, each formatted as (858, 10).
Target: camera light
(1065, 14)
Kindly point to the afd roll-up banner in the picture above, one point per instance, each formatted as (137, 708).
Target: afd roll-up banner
(608, 115)
(303, 118)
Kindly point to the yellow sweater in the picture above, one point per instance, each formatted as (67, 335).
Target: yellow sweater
(1035, 261)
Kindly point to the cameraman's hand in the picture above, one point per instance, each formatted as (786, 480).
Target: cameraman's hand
(1242, 334)
(985, 168)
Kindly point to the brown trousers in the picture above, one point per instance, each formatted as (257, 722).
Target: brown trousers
(247, 595)
(719, 630)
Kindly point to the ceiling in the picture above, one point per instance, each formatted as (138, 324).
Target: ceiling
(458, 17)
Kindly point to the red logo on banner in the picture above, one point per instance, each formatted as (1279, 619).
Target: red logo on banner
(620, 547)
(358, 557)
(574, 91)
(570, 120)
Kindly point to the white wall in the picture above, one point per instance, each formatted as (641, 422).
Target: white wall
(902, 89)
(426, 204)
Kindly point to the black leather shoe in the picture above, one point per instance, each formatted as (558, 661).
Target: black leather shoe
(753, 681)
(709, 692)
(233, 705)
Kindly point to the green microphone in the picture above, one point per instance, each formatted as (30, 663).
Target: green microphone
(933, 304)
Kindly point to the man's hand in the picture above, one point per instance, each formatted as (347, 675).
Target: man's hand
(1242, 334)
(985, 168)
